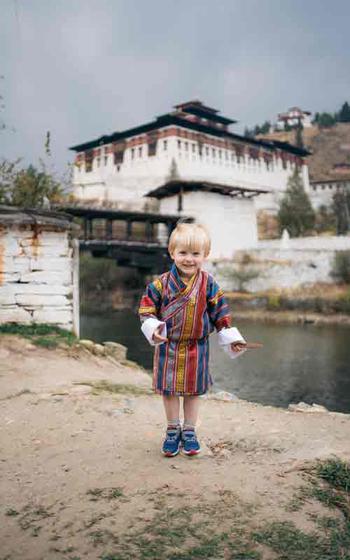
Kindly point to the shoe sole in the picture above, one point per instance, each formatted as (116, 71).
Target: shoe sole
(191, 453)
(169, 454)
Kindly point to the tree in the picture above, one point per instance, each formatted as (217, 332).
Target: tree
(265, 128)
(325, 120)
(249, 133)
(295, 213)
(30, 188)
(341, 209)
(344, 113)
(299, 141)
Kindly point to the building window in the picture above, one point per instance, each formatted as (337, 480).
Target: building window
(179, 144)
(152, 148)
(106, 160)
(118, 157)
(88, 161)
(220, 154)
(206, 150)
(132, 153)
(186, 146)
(213, 152)
(165, 145)
(193, 148)
(98, 162)
(140, 151)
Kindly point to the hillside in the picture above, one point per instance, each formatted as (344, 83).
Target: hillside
(329, 147)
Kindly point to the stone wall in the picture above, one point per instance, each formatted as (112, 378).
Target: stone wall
(281, 264)
(39, 267)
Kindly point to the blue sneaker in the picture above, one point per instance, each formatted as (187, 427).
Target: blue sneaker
(190, 443)
(171, 444)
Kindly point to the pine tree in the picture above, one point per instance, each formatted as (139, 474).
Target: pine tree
(344, 113)
(295, 213)
(299, 141)
(341, 209)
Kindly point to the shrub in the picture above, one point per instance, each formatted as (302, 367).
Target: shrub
(341, 266)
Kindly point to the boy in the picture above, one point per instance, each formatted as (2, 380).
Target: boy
(178, 312)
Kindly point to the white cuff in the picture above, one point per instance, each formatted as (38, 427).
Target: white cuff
(226, 337)
(149, 326)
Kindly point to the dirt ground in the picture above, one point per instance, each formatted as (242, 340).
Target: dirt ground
(82, 476)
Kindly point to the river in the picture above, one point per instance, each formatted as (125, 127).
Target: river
(297, 363)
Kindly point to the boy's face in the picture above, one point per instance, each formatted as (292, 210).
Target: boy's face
(188, 261)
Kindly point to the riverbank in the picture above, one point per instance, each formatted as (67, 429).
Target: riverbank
(82, 476)
(319, 304)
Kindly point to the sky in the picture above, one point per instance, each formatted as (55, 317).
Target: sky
(84, 68)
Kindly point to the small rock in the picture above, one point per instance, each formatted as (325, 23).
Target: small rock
(98, 350)
(87, 343)
(304, 407)
(118, 351)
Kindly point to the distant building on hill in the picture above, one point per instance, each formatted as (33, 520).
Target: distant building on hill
(322, 191)
(292, 117)
(191, 143)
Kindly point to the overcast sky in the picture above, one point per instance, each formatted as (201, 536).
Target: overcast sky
(83, 68)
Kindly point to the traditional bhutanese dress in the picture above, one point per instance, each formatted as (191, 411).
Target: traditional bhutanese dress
(187, 315)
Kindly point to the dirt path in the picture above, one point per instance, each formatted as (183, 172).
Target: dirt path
(82, 476)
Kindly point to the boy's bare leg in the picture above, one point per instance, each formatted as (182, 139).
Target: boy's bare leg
(172, 409)
(191, 409)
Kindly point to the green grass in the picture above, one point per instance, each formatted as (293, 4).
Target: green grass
(329, 484)
(48, 336)
(116, 388)
(205, 530)
(96, 494)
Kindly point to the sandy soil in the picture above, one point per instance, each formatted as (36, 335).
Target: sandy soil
(82, 476)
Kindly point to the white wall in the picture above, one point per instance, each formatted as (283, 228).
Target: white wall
(231, 221)
(301, 261)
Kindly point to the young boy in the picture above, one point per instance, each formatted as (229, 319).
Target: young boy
(178, 312)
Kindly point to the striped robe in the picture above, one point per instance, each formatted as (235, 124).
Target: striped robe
(191, 312)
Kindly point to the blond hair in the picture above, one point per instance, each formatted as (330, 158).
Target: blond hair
(193, 237)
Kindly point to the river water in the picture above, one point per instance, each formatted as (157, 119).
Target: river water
(297, 363)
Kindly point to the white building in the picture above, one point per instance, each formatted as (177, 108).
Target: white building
(323, 191)
(293, 117)
(227, 212)
(192, 143)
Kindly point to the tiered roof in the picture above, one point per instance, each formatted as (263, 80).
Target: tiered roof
(196, 116)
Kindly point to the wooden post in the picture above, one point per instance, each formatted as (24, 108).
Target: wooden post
(109, 229)
(89, 228)
(75, 280)
(128, 229)
(85, 229)
(149, 230)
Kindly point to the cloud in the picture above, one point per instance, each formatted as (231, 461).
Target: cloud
(84, 68)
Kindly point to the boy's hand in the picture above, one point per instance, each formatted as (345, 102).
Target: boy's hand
(157, 337)
(238, 346)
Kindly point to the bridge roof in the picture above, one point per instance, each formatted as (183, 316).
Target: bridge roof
(108, 213)
(174, 187)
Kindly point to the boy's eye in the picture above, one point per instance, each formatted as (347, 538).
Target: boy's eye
(195, 254)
